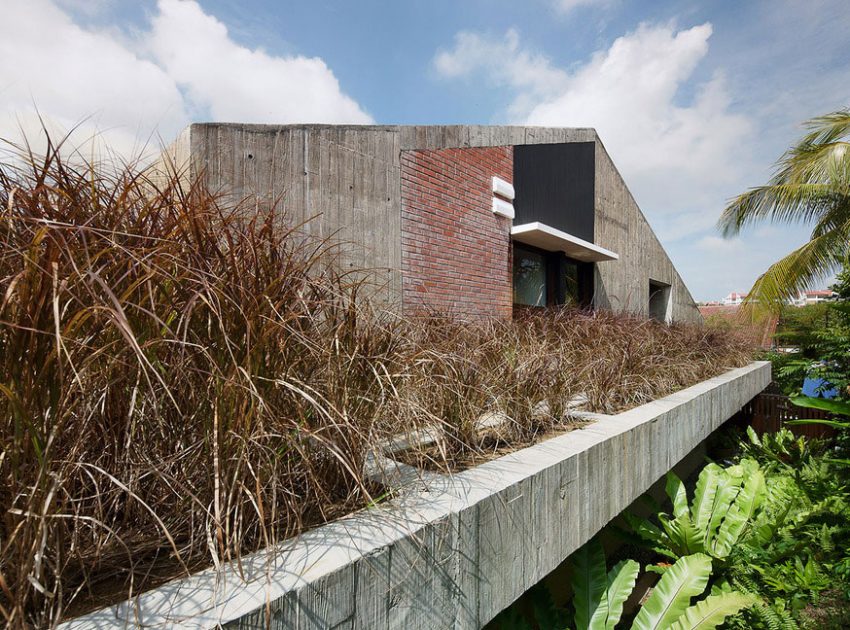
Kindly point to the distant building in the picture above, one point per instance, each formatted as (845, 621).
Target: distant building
(734, 299)
(813, 297)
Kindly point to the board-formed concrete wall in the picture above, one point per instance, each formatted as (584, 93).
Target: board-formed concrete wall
(451, 551)
(344, 182)
(338, 182)
(621, 227)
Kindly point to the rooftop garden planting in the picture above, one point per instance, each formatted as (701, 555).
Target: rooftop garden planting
(184, 382)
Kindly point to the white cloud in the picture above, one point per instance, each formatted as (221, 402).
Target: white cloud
(530, 74)
(675, 149)
(82, 76)
(127, 86)
(239, 84)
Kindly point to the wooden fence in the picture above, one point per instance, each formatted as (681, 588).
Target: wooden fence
(770, 412)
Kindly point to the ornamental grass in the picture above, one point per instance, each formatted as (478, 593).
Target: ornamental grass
(185, 381)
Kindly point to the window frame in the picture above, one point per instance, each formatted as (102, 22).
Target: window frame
(554, 267)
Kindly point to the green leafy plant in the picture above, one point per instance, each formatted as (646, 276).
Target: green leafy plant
(599, 594)
(777, 451)
(798, 580)
(724, 504)
(837, 407)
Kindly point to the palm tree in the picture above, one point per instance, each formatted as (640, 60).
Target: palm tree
(811, 184)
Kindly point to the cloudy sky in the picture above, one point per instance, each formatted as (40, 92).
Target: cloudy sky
(694, 100)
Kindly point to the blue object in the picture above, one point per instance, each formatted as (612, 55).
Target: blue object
(819, 388)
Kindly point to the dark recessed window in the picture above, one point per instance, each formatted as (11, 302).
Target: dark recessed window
(550, 278)
(529, 277)
(659, 301)
(569, 282)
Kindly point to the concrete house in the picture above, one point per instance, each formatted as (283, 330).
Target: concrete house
(476, 220)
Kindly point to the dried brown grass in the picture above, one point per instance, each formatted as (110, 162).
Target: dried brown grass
(184, 382)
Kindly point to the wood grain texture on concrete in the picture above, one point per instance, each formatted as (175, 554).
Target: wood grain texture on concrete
(455, 551)
(343, 182)
(621, 227)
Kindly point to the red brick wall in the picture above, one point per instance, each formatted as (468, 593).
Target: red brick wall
(455, 253)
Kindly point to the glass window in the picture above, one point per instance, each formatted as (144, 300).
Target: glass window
(529, 278)
(568, 279)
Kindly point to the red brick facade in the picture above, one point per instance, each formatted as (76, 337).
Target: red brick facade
(455, 253)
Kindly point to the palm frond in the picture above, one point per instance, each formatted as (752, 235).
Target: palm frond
(811, 184)
(811, 262)
(809, 163)
(836, 218)
(784, 203)
(827, 128)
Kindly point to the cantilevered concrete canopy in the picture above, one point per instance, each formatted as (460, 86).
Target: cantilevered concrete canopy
(548, 238)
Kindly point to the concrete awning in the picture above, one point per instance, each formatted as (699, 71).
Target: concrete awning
(548, 238)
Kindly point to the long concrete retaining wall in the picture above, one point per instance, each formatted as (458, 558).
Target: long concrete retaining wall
(452, 551)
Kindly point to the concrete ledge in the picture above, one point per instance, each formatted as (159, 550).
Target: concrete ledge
(458, 549)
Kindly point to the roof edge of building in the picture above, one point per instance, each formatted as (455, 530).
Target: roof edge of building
(424, 137)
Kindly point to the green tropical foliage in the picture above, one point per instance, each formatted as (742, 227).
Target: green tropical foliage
(816, 342)
(724, 504)
(599, 595)
(669, 605)
(777, 451)
(798, 326)
(811, 185)
(761, 543)
(838, 407)
(783, 543)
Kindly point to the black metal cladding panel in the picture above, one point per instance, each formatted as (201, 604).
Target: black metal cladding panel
(554, 185)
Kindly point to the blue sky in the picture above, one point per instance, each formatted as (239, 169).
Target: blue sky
(694, 100)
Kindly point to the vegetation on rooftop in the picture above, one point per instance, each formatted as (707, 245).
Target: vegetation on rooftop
(184, 382)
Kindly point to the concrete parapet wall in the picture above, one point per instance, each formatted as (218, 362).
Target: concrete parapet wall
(452, 551)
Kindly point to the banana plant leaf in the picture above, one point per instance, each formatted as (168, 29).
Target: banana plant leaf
(621, 583)
(678, 495)
(599, 596)
(728, 486)
(739, 514)
(837, 424)
(704, 495)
